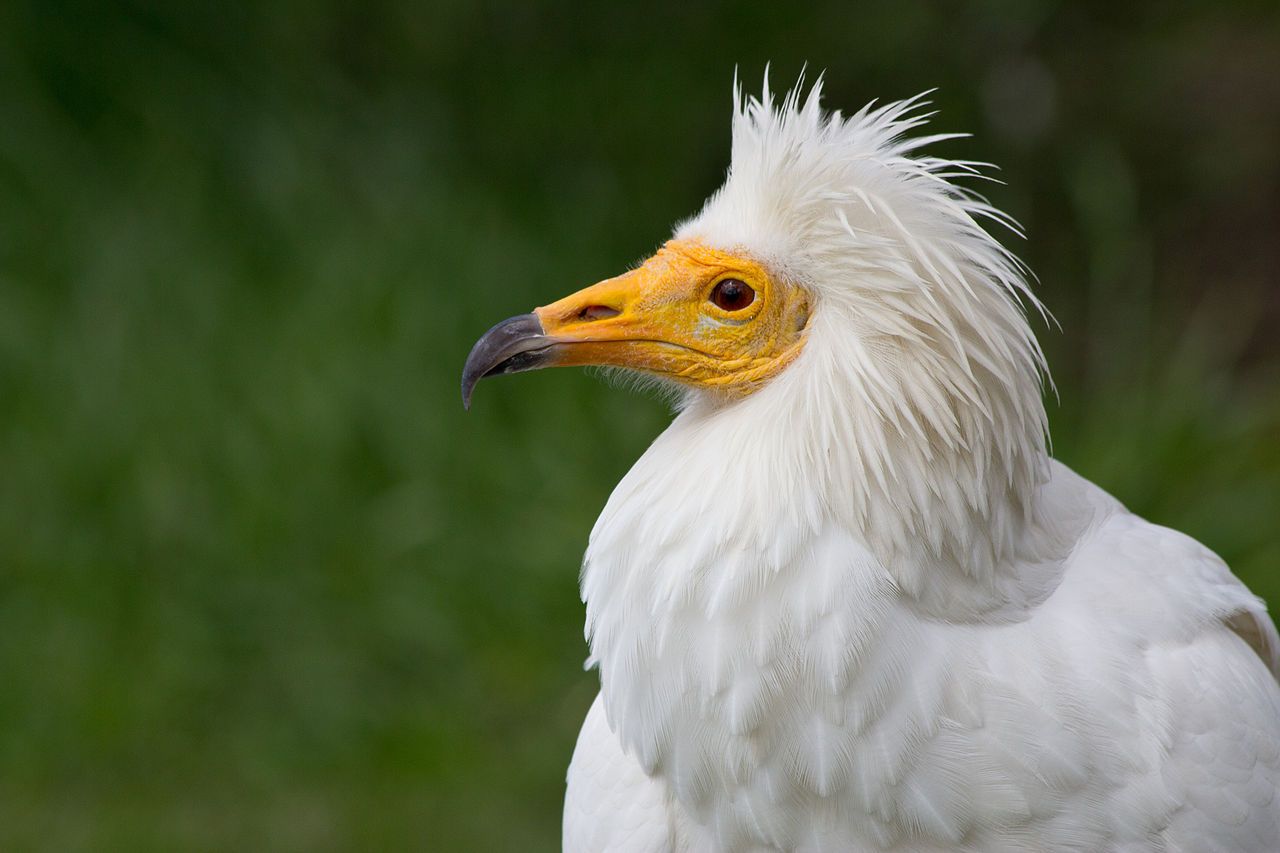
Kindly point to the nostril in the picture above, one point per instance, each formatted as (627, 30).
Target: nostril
(598, 312)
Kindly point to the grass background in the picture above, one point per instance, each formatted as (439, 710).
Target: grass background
(264, 585)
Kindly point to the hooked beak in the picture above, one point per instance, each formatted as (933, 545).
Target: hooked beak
(587, 327)
(512, 346)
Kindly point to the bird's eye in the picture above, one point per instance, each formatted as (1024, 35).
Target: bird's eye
(732, 295)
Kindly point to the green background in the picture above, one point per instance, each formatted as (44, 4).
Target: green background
(264, 585)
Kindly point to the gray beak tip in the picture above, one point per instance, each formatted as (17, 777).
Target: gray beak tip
(512, 346)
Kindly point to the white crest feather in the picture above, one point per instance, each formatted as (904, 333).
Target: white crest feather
(919, 355)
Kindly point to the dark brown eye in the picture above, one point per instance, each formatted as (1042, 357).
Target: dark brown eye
(732, 295)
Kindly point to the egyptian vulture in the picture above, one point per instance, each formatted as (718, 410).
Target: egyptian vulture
(847, 601)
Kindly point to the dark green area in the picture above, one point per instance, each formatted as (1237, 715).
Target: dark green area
(264, 585)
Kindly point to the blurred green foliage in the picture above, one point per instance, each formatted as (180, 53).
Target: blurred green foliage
(264, 585)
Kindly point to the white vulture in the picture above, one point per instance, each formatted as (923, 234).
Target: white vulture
(847, 601)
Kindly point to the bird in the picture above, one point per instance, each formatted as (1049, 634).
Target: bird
(848, 600)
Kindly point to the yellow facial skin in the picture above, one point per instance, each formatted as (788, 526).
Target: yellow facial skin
(660, 319)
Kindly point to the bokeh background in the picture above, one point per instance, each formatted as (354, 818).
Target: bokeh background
(265, 586)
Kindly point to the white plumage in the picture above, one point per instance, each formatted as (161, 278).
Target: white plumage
(861, 608)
